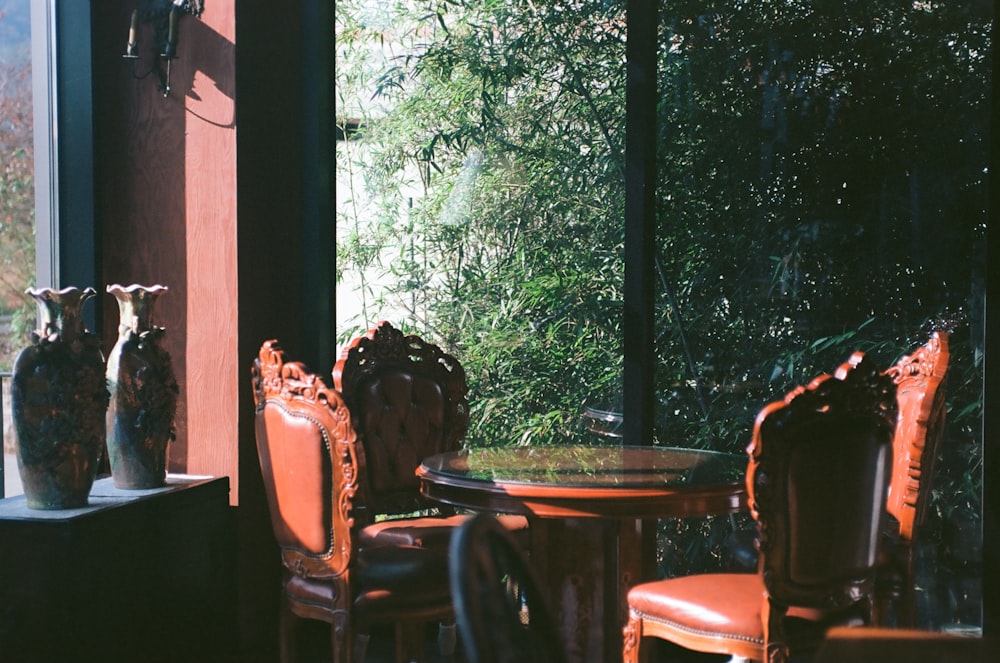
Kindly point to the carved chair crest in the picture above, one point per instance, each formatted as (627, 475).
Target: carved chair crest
(386, 348)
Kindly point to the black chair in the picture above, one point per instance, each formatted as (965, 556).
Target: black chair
(502, 615)
(408, 400)
(817, 481)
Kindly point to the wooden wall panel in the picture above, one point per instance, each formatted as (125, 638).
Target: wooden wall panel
(171, 210)
(166, 180)
(213, 372)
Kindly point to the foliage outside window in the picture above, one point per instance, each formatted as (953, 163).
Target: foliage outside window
(17, 190)
(822, 189)
(510, 123)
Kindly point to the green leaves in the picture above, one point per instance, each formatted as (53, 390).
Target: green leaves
(17, 203)
(821, 189)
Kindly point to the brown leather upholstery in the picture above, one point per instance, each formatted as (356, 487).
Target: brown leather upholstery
(424, 531)
(402, 416)
(920, 380)
(432, 531)
(817, 482)
(309, 459)
(731, 603)
(408, 400)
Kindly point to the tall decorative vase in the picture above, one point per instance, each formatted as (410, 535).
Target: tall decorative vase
(59, 398)
(143, 392)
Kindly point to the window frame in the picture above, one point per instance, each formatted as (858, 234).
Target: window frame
(64, 147)
(45, 136)
(63, 137)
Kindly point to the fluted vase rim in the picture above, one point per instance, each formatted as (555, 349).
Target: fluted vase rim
(115, 288)
(61, 292)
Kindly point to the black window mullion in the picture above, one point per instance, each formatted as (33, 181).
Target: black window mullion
(640, 221)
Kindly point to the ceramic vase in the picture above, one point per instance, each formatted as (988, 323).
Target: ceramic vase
(140, 417)
(59, 399)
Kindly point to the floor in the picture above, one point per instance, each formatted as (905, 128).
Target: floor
(946, 602)
(380, 650)
(381, 646)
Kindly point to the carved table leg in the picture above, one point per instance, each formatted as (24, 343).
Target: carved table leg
(587, 566)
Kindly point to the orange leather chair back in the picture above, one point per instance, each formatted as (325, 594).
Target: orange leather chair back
(306, 447)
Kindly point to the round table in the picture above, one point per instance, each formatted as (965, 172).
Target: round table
(592, 511)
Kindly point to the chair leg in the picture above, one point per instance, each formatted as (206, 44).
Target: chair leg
(881, 601)
(341, 645)
(409, 642)
(360, 647)
(632, 640)
(447, 638)
(906, 615)
(287, 633)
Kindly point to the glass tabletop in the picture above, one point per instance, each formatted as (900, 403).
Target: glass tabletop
(589, 466)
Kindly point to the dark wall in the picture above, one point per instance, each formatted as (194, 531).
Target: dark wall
(285, 242)
(269, 144)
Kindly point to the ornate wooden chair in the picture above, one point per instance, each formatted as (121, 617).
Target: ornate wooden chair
(309, 458)
(503, 615)
(920, 390)
(408, 400)
(817, 482)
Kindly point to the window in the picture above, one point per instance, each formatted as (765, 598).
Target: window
(821, 188)
(46, 88)
(17, 208)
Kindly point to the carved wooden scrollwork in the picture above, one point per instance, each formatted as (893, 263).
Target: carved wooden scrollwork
(923, 361)
(384, 347)
(300, 394)
(630, 639)
(920, 380)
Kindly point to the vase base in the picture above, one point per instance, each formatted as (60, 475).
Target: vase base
(62, 505)
(138, 485)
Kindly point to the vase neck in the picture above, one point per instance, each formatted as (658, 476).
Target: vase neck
(135, 311)
(61, 312)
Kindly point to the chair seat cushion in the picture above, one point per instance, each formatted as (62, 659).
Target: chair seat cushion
(724, 607)
(430, 531)
(386, 579)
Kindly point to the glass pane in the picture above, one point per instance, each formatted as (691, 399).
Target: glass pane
(823, 189)
(481, 195)
(17, 207)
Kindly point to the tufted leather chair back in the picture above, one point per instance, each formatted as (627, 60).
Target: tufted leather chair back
(408, 400)
(306, 446)
(817, 482)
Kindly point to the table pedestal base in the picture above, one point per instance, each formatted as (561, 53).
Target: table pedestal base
(587, 566)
